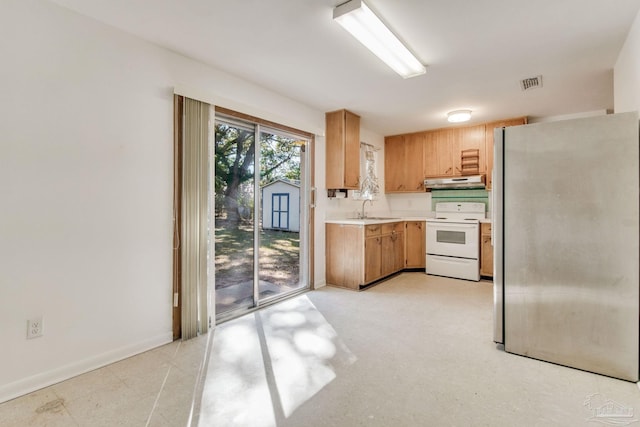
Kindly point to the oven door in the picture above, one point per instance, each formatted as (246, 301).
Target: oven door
(453, 239)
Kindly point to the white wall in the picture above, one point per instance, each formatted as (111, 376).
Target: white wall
(86, 187)
(626, 73)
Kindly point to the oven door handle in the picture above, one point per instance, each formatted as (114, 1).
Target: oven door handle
(440, 226)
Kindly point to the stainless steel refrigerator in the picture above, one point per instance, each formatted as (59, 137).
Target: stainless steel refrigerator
(566, 241)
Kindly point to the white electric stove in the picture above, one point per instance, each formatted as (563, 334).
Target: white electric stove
(453, 240)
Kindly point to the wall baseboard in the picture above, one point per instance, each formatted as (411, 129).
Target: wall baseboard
(54, 376)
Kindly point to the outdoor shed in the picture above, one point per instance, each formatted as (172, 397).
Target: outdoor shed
(281, 205)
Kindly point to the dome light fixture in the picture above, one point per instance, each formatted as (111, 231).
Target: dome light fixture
(459, 116)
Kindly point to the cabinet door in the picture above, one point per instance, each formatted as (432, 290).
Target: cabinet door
(413, 165)
(404, 163)
(334, 141)
(334, 253)
(387, 260)
(342, 143)
(469, 138)
(393, 164)
(352, 151)
(486, 257)
(343, 254)
(489, 142)
(486, 250)
(415, 251)
(372, 252)
(398, 251)
(437, 153)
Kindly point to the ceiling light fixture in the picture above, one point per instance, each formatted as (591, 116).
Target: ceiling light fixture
(459, 116)
(356, 17)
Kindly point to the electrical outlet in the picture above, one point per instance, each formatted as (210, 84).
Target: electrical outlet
(34, 327)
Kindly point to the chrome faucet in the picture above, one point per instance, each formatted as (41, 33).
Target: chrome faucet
(362, 215)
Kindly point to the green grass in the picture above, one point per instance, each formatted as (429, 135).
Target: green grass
(279, 255)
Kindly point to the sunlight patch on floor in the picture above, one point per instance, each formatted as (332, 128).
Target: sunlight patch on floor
(266, 364)
(301, 346)
(236, 390)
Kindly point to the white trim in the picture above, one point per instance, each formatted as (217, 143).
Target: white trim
(211, 241)
(54, 376)
(320, 284)
(220, 101)
(195, 93)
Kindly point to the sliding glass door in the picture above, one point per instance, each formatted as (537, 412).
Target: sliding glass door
(234, 225)
(261, 219)
(283, 223)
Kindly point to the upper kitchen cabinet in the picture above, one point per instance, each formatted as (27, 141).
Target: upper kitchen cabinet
(437, 153)
(403, 163)
(469, 141)
(411, 158)
(342, 150)
(490, 127)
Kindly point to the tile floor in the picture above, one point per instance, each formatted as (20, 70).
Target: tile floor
(155, 388)
(415, 350)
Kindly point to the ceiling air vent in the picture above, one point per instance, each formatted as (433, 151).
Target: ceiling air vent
(531, 83)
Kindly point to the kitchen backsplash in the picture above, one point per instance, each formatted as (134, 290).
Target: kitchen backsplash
(405, 205)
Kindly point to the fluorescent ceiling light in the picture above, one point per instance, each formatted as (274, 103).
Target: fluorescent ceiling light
(365, 26)
(459, 116)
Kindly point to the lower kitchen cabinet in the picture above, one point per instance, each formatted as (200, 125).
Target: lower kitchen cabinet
(372, 253)
(486, 250)
(392, 243)
(344, 255)
(358, 255)
(415, 248)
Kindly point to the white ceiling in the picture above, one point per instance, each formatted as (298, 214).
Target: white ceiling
(476, 52)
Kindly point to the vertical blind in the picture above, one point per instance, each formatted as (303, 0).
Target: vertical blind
(195, 218)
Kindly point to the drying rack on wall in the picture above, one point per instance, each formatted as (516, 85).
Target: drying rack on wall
(470, 161)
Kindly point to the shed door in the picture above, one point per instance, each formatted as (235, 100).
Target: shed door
(280, 211)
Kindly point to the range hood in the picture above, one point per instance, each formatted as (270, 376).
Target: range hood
(471, 181)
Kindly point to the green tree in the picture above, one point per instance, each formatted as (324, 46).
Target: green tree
(279, 158)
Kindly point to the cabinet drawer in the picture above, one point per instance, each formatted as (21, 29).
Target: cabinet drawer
(393, 226)
(372, 230)
(485, 228)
